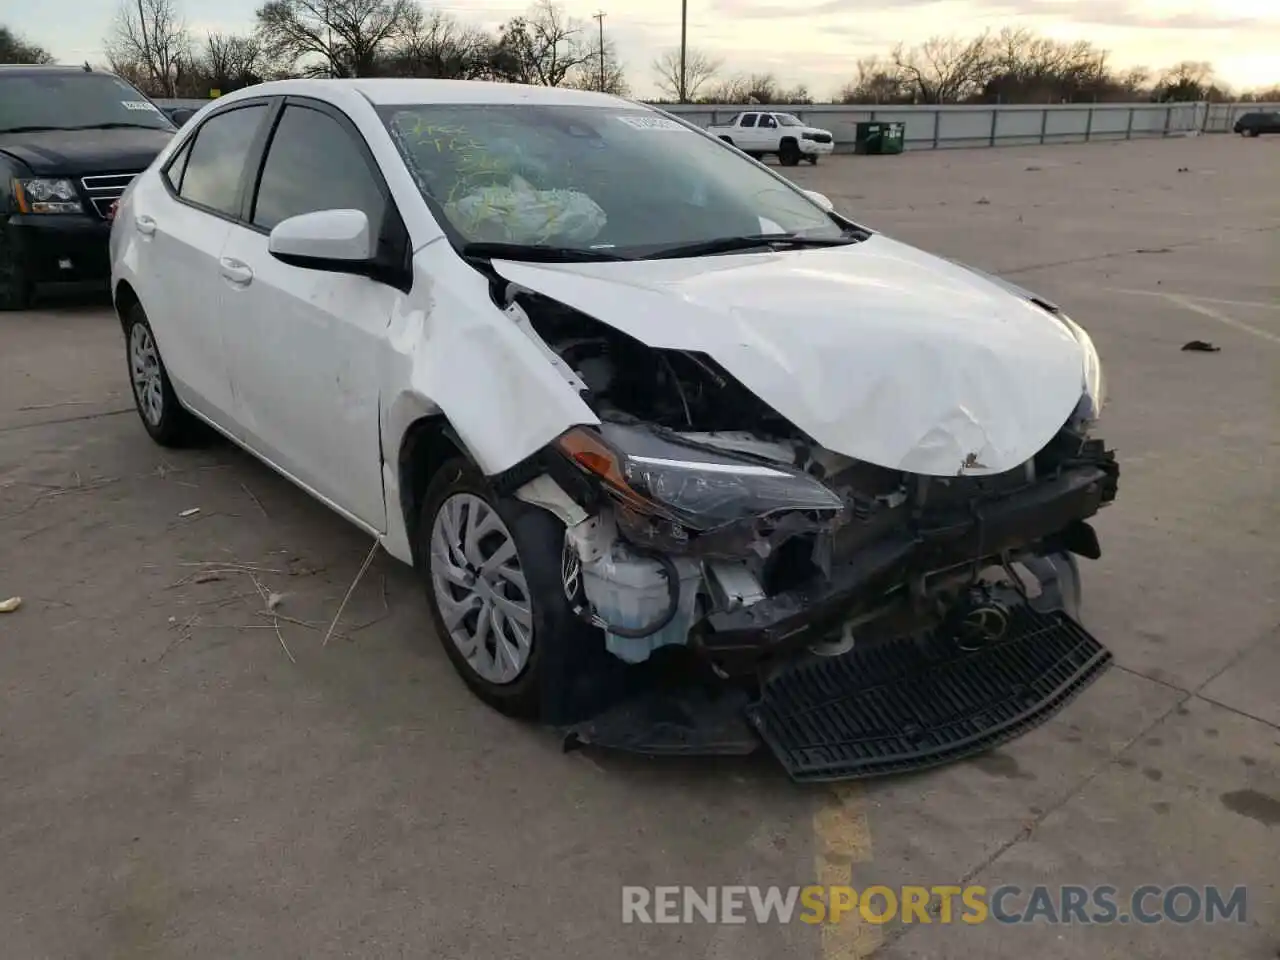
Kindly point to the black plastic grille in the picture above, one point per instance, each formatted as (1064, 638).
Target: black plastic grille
(907, 705)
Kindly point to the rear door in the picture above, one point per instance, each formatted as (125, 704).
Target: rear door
(182, 224)
(305, 345)
(747, 137)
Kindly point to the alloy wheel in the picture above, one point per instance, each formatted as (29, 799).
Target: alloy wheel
(480, 589)
(144, 367)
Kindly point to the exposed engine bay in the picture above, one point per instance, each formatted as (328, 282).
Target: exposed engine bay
(724, 528)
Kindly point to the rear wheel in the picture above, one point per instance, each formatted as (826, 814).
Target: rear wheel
(789, 154)
(813, 159)
(16, 288)
(728, 140)
(163, 416)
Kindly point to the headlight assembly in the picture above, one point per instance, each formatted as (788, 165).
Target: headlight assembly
(44, 195)
(696, 488)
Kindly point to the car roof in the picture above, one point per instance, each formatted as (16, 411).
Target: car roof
(379, 91)
(32, 69)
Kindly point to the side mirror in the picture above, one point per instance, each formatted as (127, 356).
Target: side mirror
(180, 115)
(821, 200)
(335, 240)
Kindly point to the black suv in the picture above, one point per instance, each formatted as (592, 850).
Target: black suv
(1258, 122)
(71, 139)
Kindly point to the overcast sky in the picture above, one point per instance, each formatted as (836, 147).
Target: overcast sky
(814, 43)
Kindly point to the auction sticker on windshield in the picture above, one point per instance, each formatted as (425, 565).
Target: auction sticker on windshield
(651, 123)
(138, 105)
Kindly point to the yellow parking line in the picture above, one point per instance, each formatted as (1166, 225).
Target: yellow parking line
(842, 837)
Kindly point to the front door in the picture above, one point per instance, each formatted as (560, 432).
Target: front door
(305, 345)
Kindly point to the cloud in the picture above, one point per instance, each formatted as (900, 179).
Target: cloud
(1111, 13)
(778, 11)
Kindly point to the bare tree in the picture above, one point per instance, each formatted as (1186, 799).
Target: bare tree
(1027, 68)
(1188, 80)
(13, 49)
(437, 45)
(876, 81)
(699, 69)
(946, 69)
(340, 38)
(587, 75)
(150, 35)
(545, 46)
(756, 88)
(230, 62)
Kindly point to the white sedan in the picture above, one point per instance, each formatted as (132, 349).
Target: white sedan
(623, 396)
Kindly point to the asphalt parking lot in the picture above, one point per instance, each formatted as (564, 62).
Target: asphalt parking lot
(179, 779)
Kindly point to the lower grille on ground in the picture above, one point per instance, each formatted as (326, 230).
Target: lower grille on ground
(907, 705)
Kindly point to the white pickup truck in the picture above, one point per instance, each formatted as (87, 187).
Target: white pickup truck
(757, 133)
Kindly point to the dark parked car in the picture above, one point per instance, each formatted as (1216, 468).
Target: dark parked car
(71, 140)
(1258, 122)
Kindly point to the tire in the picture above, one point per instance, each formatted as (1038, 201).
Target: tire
(813, 159)
(562, 672)
(728, 140)
(16, 289)
(1251, 133)
(165, 418)
(789, 154)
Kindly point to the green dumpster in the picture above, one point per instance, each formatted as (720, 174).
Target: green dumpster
(878, 137)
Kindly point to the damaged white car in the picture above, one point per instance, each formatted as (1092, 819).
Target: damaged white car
(687, 460)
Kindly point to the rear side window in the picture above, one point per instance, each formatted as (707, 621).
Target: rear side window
(749, 120)
(314, 163)
(217, 159)
(173, 172)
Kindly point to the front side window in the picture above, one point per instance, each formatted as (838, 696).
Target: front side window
(53, 100)
(622, 180)
(314, 164)
(768, 121)
(787, 120)
(218, 156)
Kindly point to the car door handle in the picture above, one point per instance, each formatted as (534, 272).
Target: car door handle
(237, 271)
(146, 225)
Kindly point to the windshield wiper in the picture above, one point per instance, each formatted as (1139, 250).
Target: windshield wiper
(538, 253)
(31, 128)
(749, 242)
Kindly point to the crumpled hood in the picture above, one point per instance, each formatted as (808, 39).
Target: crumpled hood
(877, 350)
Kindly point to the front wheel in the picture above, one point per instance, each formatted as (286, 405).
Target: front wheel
(492, 571)
(813, 159)
(165, 419)
(789, 154)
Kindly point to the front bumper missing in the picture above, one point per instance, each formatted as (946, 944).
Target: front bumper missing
(739, 640)
(885, 708)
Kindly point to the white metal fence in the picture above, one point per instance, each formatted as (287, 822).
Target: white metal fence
(937, 127)
(931, 127)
